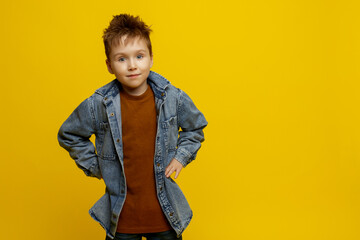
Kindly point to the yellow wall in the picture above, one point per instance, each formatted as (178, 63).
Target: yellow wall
(278, 82)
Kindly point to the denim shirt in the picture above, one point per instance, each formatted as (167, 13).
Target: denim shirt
(179, 135)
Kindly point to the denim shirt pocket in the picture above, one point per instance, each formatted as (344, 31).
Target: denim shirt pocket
(171, 133)
(106, 149)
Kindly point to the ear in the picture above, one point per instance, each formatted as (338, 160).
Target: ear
(151, 59)
(109, 66)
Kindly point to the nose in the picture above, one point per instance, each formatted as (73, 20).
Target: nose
(132, 65)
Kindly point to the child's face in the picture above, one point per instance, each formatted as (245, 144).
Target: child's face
(130, 61)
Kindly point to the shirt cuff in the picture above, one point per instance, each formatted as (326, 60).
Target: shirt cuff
(183, 156)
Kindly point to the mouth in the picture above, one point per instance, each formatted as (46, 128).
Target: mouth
(133, 75)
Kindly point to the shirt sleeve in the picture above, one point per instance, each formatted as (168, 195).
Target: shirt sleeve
(74, 136)
(192, 122)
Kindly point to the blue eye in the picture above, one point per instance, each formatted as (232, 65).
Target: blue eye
(139, 56)
(121, 59)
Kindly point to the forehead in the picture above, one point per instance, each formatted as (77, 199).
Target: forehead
(126, 43)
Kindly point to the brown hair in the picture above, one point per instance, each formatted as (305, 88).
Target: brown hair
(125, 25)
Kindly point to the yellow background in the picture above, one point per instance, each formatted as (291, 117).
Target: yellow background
(278, 82)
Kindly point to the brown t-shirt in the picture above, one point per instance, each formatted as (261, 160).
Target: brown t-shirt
(141, 212)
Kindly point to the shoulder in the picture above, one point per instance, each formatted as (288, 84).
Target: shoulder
(95, 102)
(108, 88)
(173, 91)
(178, 94)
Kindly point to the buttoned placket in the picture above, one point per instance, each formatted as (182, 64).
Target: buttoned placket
(109, 103)
(159, 169)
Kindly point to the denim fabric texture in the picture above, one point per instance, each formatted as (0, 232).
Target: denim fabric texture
(179, 135)
(168, 235)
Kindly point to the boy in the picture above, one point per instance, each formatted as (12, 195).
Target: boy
(136, 120)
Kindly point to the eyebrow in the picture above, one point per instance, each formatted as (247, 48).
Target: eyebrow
(121, 53)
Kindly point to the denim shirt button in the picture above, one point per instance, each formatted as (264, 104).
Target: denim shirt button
(162, 94)
(118, 140)
(112, 114)
(171, 214)
(160, 188)
(158, 164)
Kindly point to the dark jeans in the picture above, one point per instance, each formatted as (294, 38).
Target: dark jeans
(168, 235)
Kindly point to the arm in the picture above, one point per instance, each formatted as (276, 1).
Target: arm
(74, 136)
(192, 123)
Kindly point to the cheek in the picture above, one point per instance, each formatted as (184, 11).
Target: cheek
(146, 65)
(119, 69)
